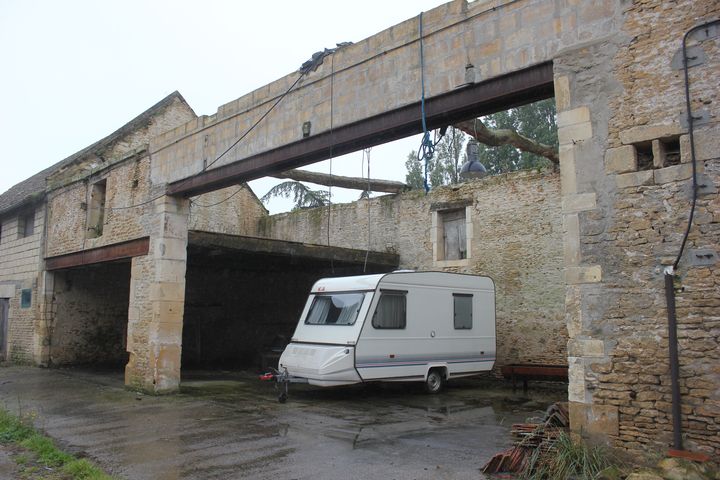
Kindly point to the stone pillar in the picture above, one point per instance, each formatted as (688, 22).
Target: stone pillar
(45, 319)
(157, 300)
(582, 125)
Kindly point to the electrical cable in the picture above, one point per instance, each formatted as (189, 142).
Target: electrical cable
(332, 97)
(427, 149)
(366, 153)
(691, 132)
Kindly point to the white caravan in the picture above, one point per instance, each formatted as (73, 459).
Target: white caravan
(400, 326)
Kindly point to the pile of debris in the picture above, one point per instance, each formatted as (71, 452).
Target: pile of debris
(531, 439)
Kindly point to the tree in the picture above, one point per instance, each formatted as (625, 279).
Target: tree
(516, 139)
(302, 195)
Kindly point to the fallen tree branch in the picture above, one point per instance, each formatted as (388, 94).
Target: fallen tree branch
(501, 136)
(355, 183)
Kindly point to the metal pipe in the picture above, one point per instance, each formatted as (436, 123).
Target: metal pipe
(674, 358)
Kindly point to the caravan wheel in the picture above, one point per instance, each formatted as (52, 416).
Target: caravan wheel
(434, 382)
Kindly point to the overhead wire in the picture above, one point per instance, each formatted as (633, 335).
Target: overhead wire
(366, 153)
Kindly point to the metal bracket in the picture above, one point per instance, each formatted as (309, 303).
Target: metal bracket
(711, 31)
(695, 56)
(700, 257)
(700, 117)
(705, 185)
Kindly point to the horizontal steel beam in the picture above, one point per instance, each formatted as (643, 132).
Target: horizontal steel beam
(109, 253)
(511, 90)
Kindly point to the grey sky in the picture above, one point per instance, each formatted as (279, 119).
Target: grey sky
(75, 71)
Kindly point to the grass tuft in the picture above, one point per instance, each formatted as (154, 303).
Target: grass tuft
(40, 450)
(567, 459)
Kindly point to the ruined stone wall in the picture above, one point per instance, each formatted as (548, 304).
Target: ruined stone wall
(19, 269)
(626, 200)
(90, 324)
(515, 233)
(232, 210)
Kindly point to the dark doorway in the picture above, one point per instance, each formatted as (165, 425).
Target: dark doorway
(4, 308)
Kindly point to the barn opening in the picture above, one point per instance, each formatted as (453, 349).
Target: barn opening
(244, 294)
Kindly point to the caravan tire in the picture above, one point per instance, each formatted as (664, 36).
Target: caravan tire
(434, 382)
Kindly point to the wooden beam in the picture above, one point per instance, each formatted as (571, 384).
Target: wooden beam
(109, 253)
(493, 95)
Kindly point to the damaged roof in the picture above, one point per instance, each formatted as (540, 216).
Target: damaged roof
(32, 189)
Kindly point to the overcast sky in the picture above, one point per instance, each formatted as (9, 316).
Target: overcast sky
(75, 71)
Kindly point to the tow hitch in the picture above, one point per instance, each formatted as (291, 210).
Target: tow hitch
(282, 380)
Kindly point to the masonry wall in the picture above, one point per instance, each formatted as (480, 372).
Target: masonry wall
(516, 238)
(91, 306)
(19, 270)
(627, 192)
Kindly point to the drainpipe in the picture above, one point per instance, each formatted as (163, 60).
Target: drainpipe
(670, 271)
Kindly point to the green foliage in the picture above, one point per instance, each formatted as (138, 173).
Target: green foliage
(535, 121)
(12, 429)
(47, 452)
(566, 460)
(301, 194)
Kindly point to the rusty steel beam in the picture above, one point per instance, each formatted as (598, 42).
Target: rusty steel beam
(109, 253)
(511, 90)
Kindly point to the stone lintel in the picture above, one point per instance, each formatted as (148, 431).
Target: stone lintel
(647, 133)
(674, 173)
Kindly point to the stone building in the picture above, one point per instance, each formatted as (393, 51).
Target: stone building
(629, 152)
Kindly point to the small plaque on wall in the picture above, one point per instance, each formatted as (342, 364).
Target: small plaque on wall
(26, 298)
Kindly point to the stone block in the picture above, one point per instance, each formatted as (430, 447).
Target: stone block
(168, 311)
(169, 248)
(574, 133)
(674, 173)
(167, 291)
(568, 172)
(586, 347)
(571, 246)
(634, 179)
(7, 291)
(658, 152)
(578, 202)
(562, 92)
(573, 117)
(577, 275)
(621, 159)
(647, 133)
(594, 420)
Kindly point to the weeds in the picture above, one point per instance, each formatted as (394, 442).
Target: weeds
(39, 450)
(567, 459)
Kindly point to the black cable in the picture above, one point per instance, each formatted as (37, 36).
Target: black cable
(691, 131)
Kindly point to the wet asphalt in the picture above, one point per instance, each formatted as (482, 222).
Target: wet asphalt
(226, 425)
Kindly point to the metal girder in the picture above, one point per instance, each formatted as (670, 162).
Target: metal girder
(493, 95)
(109, 253)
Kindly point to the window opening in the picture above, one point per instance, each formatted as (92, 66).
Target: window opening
(391, 310)
(454, 235)
(462, 311)
(96, 210)
(26, 224)
(26, 298)
(335, 309)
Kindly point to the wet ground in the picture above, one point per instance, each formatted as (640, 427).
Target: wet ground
(229, 425)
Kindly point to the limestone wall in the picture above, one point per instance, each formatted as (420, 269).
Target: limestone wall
(515, 236)
(19, 268)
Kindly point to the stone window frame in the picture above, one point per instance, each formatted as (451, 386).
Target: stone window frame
(24, 220)
(438, 244)
(96, 207)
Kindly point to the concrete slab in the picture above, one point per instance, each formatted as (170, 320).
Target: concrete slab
(231, 426)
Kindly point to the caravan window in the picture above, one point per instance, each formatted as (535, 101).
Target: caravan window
(391, 311)
(335, 309)
(462, 311)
